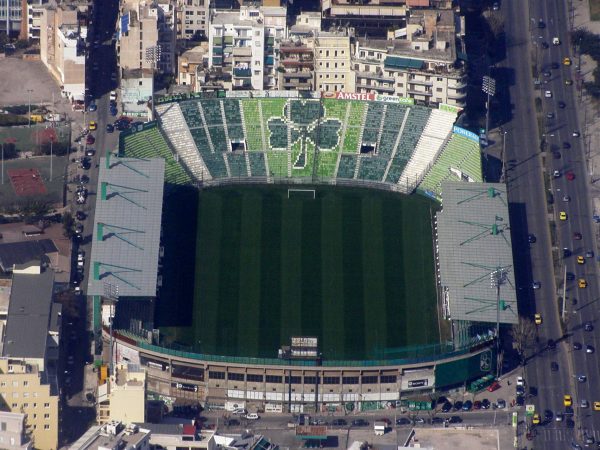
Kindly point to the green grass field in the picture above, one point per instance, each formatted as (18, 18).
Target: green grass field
(353, 267)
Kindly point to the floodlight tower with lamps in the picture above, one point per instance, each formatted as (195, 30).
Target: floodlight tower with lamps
(489, 87)
(497, 278)
(111, 292)
(152, 57)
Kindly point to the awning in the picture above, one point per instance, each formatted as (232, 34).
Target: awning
(396, 62)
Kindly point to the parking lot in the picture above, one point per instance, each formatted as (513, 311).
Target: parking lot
(33, 80)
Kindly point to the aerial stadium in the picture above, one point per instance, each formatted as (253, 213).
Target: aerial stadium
(301, 251)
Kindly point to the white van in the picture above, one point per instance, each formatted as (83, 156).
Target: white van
(380, 428)
(240, 411)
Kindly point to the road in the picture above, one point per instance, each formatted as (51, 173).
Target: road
(529, 213)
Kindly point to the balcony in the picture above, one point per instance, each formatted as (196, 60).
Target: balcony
(414, 92)
(457, 84)
(420, 82)
(303, 75)
(458, 95)
(297, 63)
(381, 88)
(297, 84)
(295, 50)
(242, 51)
(242, 73)
(374, 76)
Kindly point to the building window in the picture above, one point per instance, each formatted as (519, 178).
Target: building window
(3, 384)
(2, 426)
(295, 380)
(400, 84)
(327, 53)
(331, 380)
(46, 426)
(388, 378)
(46, 405)
(311, 380)
(46, 416)
(438, 89)
(440, 79)
(25, 405)
(273, 378)
(25, 394)
(15, 395)
(235, 376)
(216, 375)
(25, 383)
(15, 384)
(369, 379)
(254, 378)
(14, 405)
(350, 380)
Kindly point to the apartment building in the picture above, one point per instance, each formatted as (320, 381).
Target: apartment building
(245, 44)
(123, 397)
(296, 65)
(63, 33)
(146, 36)
(422, 65)
(12, 13)
(373, 18)
(114, 435)
(34, 18)
(333, 71)
(192, 19)
(12, 432)
(28, 378)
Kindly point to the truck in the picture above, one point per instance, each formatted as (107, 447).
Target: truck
(379, 428)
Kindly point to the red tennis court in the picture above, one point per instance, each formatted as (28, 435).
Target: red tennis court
(27, 182)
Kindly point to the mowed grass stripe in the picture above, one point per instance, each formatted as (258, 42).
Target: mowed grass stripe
(332, 287)
(270, 274)
(414, 234)
(311, 267)
(373, 275)
(291, 266)
(353, 279)
(208, 264)
(250, 256)
(229, 273)
(394, 276)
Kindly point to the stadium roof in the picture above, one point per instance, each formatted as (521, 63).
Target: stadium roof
(126, 236)
(475, 253)
(31, 315)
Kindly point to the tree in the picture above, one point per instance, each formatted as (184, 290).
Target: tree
(523, 335)
(68, 224)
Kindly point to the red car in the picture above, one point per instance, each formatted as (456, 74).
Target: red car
(477, 405)
(494, 386)
(89, 140)
(570, 176)
(577, 236)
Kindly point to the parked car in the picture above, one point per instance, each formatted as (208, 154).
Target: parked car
(455, 419)
(500, 403)
(447, 407)
(467, 405)
(403, 421)
(359, 423)
(458, 405)
(252, 416)
(339, 423)
(89, 140)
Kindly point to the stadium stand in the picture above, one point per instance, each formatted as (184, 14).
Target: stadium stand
(437, 130)
(286, 137)
(347, 166)
(150, 143)
(461, 154)
(173, 124)
(413, 128)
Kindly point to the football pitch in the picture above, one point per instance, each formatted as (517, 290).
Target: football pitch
(353, 267)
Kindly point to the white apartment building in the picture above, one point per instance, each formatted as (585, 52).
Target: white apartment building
(192, 19)
(245, 43)
(422, 65)
(332, 62)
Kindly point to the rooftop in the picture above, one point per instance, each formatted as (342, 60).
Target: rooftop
(126, 234)
(29, 315)
(475, 253)
(111, 436)
(23, 252)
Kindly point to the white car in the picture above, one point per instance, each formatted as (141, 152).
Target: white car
(252, 416)
(240, 411)
(520, 381)
(113, 95)
(555, 41)
(575, 134)
(548, 94)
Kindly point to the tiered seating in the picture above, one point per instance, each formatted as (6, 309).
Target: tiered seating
(394, 115)
(212, 112)
(199, 136)
(277, 135)
(253, 124)
(413, 128)
(335, 108)
(272, 107)
(329, 135)
(174, 126)
(191, 113)
(151, 144)
(373, 122)
(353, 127)
(216, 164)
(435, 132)
(257, 164)
(372, 169)
(234, 119)
(218, 138)
(347, 166)
(237, 164)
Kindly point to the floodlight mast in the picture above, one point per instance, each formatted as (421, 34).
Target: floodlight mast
(111, 292)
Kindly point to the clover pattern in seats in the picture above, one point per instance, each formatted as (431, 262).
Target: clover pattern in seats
(288, 137)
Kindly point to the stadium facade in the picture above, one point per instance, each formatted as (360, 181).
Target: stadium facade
(333, 138)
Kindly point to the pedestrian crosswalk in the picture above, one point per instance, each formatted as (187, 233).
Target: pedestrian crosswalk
(555, 434)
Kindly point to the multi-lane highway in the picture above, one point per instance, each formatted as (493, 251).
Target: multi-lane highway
(530, 43)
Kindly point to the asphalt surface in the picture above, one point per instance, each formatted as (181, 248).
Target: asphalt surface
(529, 214)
